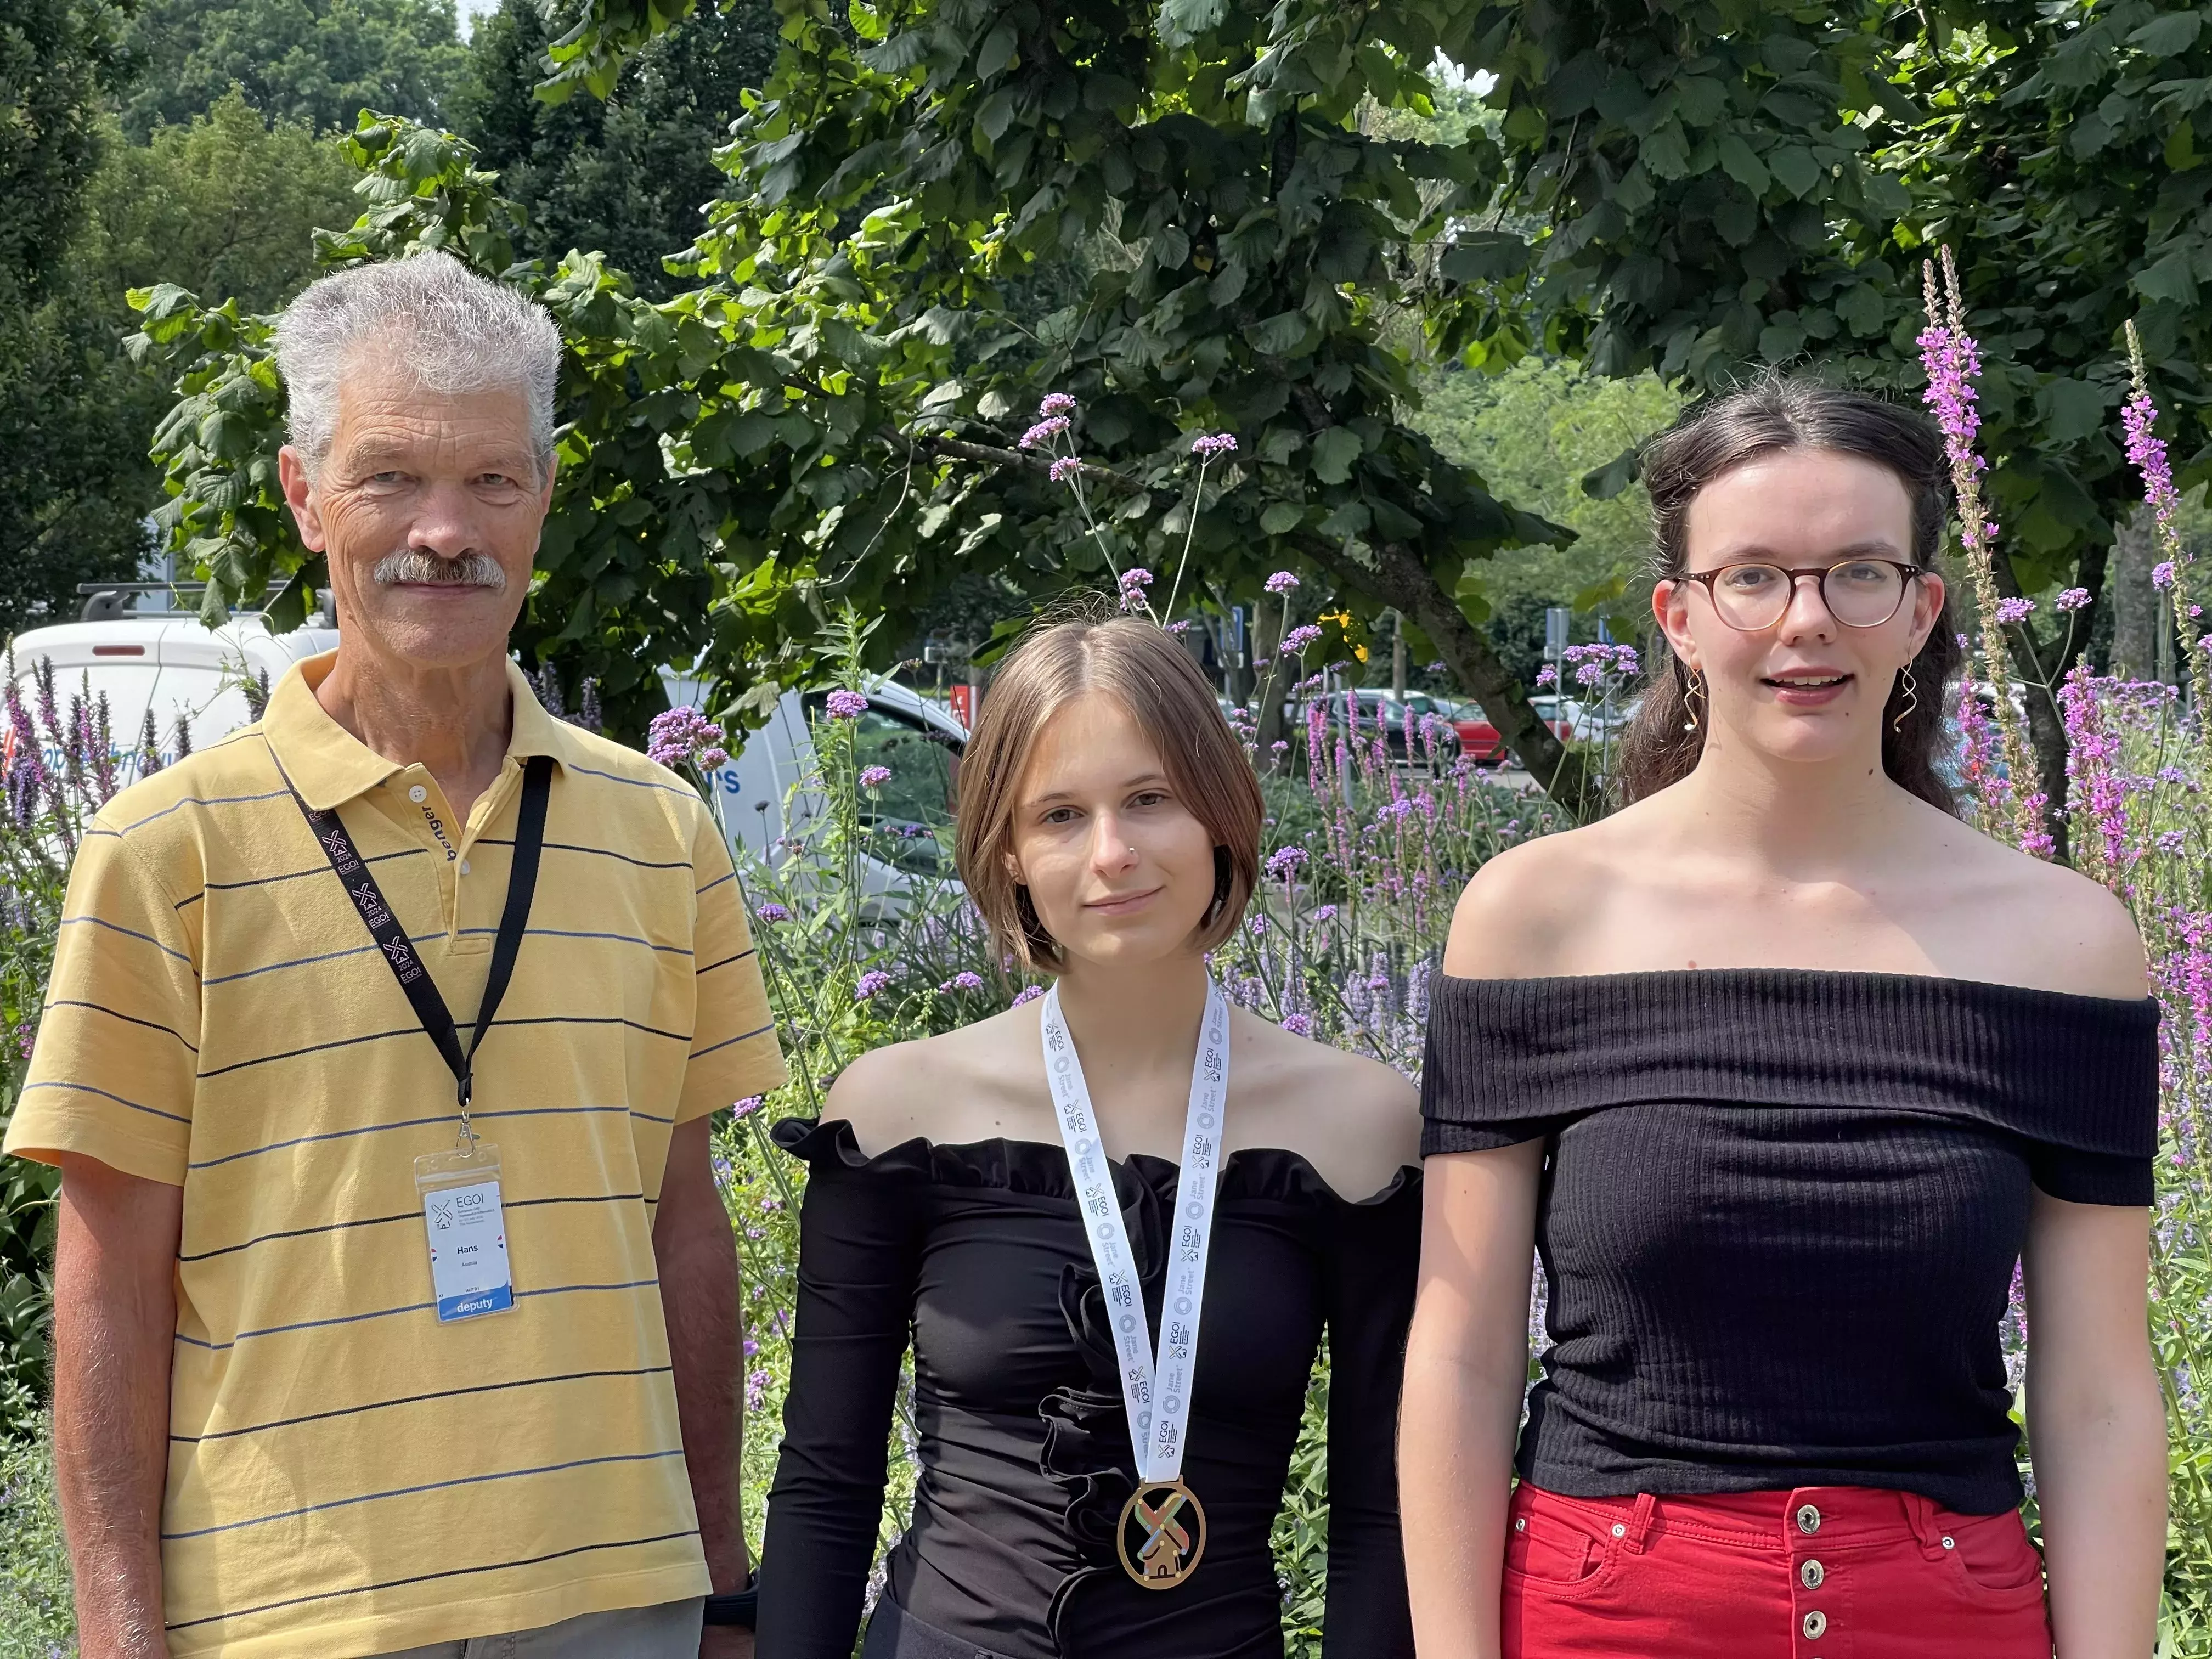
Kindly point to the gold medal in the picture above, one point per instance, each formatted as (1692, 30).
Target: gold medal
(1164, 1522)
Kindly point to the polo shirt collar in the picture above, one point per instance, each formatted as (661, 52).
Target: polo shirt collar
(329, 766)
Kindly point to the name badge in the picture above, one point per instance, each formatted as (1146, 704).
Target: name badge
(467, 1233)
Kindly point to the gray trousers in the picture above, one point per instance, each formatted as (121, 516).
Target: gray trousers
(670, 1631)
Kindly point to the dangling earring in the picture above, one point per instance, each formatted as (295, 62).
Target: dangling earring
(1695, 688)
(1912, 688)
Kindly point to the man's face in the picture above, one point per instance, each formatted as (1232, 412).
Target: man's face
(429, 508)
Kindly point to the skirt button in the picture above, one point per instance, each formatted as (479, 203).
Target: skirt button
(1811, 1574)
(1816, 1623)
(1809, 1518)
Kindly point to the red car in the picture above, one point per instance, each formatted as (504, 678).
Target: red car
(1478, 739)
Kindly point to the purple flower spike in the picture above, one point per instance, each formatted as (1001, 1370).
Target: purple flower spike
(2161, 575)
(846, 705)
(1299, 1024)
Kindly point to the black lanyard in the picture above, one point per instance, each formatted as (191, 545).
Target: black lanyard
(400, 950)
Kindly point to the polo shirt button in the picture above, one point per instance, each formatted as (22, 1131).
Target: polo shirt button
(418, 795)
(1816, 1624)
(1812, 1573)
(1808, 1519)
(1619, 1530)
(464, 867)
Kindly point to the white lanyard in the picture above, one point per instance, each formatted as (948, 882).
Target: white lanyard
(1157, 1439)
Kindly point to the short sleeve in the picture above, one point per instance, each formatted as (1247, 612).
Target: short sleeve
(734, 1054)
(1487, 1075)
(115, 1068)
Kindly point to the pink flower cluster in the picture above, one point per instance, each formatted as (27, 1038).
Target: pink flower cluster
(875, 777)
(1281, 582)
(2014, 610)
(1134, 581)
(1040, 436)
(684, 736)
(1296, 642)
(1207, 446)
(845, 705)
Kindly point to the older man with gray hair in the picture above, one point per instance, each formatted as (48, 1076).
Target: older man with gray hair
(396, 1307)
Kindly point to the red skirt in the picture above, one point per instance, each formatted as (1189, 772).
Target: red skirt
(1817, 1573)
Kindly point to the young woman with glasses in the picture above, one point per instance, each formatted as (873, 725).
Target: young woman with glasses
(1782, 1069)
(1112, 1224)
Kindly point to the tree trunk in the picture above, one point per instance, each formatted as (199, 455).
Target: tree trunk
(2135, 604)
(1398, 577)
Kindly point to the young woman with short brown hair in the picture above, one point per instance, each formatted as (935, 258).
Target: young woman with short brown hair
(961, 1195)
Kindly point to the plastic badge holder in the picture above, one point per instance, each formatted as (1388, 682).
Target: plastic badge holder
(469, 1273)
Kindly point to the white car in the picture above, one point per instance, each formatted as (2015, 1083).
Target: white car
(180, 669)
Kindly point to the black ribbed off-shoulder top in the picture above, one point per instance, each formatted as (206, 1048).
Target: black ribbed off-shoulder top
(1781, 1209)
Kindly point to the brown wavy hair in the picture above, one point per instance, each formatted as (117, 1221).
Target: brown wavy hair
(1776, 415)
(1151, 676)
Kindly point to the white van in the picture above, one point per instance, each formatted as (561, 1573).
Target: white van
(767, 799)
(180, 669)
(170, 664)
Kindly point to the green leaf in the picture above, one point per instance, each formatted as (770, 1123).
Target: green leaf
(998, 51)
(1665, 153)
(1485, 256)
(2069, 409)
(1334, 450)
(1604, 482)
(2168, 36)
(1740, 164)
(2171, 278)
(1182, 21)
(1350, 519)
(1862, 308)
(1281, 518)
(1795, 168)
(2181, 147)
(1281, 336)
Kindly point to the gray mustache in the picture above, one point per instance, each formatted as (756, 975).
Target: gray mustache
(413, 565)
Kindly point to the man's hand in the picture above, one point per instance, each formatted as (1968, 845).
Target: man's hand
(115, 1320)
(697, 1256)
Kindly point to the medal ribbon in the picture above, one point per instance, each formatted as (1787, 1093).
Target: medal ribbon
(1156, 1436)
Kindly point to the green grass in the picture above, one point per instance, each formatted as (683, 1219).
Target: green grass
(35, 1618)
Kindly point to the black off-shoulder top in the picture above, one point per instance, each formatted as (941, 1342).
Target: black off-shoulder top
(974, 1253)
(1781, 1209)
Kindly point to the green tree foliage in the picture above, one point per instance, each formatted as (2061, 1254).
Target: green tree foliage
(223, 202)
(1267, 228)
(1536, 431)
(58, 379)
(628, 177)
(320, 61)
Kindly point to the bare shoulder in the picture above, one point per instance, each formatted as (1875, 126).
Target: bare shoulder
(2071, 932)
(951, 1089)
(1355, 1120)
(1527, 903)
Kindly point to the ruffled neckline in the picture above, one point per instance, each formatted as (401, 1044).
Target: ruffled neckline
(1040, 1168)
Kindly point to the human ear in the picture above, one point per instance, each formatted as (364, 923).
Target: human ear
(1670, 608)
(300, 496)
(1927, 605)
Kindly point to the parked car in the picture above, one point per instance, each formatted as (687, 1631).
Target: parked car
(1378, 708)
(1478, 739)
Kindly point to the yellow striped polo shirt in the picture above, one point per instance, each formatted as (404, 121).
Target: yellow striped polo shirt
(347, 1474)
